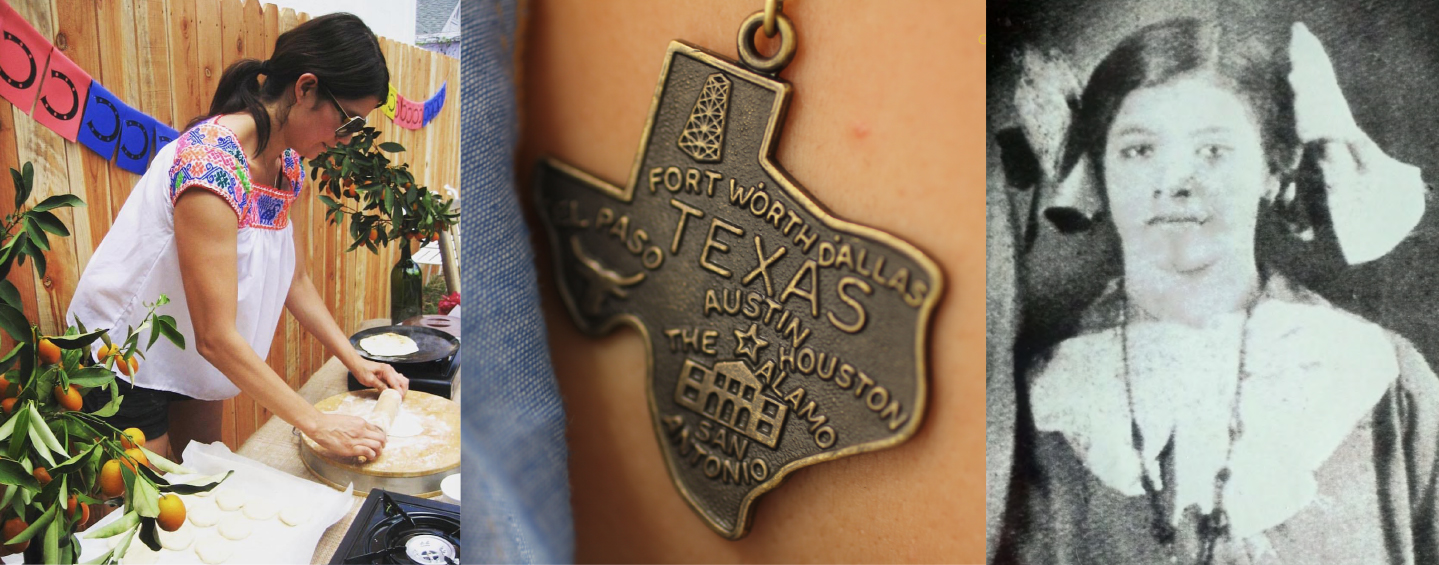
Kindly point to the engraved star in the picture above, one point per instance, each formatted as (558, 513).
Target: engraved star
(751, 350)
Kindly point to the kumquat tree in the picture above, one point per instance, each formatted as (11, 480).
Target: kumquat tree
(56, 459)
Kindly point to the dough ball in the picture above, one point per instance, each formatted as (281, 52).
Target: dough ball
(235, 527)
(204, 515)
(295, 515)
(138, 553)
(138, 557)
(261, 509)
(178, 540)
(231, 500)
(214, 550)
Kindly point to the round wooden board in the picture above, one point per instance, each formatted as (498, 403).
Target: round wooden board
(435, 450)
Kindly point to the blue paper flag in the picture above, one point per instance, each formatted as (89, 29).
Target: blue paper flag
(136, 140)
(100, 128)
(163, 136)
(435, 104)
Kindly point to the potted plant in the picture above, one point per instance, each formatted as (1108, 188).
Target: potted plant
(56, 459)
(383, 203)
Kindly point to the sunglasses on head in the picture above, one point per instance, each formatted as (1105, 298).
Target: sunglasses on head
(352, 124)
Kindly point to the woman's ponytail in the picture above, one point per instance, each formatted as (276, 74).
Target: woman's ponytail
(239, 90)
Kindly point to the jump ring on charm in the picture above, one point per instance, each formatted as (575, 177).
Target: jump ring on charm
(751, 56)
(772, 9)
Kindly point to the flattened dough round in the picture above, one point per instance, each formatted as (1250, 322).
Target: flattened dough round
(204, 515)
(261, 509)
(178, 540)
(236, 527)
(295, 515)
(231, 500)
(214, 550)
(406, 425)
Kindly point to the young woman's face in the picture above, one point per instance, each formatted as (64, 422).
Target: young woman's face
(1184, 170)
(310, 126)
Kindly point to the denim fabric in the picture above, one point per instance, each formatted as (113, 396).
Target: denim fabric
(516, 496)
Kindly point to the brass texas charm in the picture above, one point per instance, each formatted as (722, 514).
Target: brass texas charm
(779, 336)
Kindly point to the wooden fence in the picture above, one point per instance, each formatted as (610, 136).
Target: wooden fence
(165, 57)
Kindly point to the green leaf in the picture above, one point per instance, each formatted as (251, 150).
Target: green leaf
(52, 541)
(76, 341)
(329, 202)
(166, 326)
(10, 358)
(37, 442)
(30, 532)
(29, 172)
(122, 525)
(73, 463)
(58, 201)
(14, 323)
(149, 534)
(10, 295)
(17, 440)
(49, 223)
(193, 487)
(113, 406)
(391, 147)
(13, 473)
(21, 192)
(28, 248)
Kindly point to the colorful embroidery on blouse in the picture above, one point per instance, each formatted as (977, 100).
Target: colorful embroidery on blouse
(209, 156)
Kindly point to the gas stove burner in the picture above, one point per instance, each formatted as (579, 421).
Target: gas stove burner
(430, 550)
(395, 528)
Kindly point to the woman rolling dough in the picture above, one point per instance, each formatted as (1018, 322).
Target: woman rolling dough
(208, 226)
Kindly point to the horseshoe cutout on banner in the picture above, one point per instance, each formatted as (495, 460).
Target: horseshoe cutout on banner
(62, 96)
(23, 56)
(135, 136)
(100, 128)
(163, 136)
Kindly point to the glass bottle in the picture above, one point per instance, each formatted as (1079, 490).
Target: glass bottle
(407, 287)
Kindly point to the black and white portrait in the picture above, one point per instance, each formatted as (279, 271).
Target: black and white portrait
(1213, 320)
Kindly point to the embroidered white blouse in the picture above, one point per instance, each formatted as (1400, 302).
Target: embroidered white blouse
(137, 261)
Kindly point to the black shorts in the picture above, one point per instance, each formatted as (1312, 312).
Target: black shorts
(144, 408)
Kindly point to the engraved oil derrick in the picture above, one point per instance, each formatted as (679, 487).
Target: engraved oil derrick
(703, 136)
(730, 394)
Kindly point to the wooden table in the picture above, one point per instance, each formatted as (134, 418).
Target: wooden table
(275, 443)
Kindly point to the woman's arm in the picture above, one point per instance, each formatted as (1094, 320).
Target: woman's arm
(206, 239)
(308, 308)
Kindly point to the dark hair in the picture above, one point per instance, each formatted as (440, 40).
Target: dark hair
(1247, 63)
(338, 48)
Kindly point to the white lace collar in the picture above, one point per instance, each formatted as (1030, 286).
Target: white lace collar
(1313, 373)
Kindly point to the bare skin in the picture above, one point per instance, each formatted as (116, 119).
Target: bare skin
(883, 129)
(206, 238)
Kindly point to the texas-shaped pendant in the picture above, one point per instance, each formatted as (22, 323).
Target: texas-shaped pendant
(778, 335)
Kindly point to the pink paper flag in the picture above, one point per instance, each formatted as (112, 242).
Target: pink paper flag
(409, 114)
(23, 56)
(62, 96)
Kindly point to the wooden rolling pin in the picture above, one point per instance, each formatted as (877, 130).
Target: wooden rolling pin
(386, 408)
(384, 412)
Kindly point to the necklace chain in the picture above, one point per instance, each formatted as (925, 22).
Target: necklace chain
(1215, 524)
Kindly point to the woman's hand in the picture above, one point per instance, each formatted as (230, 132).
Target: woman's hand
(347, 436)
(379, 376)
